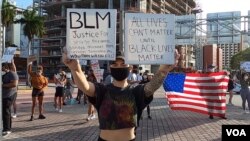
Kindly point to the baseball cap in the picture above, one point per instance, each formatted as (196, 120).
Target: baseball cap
(211, 66)
(120, 55)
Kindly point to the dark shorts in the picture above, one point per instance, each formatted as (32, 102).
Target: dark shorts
(59, 92)
(37, 92)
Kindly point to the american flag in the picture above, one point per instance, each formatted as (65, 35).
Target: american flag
(203, 93)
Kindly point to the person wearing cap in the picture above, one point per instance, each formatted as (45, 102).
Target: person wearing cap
(211, 69)
(9, 89)
(119, 103)
(38, 82)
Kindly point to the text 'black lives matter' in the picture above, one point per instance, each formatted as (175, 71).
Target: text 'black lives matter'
(235, 132)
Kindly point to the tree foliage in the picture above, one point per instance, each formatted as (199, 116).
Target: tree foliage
(239, 57)
(8, 12)
(33, 24)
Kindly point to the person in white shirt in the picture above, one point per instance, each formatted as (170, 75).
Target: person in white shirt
(139, 77)
(60, 81)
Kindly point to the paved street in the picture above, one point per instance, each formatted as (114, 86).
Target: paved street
(166, 125)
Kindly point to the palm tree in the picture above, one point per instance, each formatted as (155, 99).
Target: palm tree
(8, 12)
(33, 25)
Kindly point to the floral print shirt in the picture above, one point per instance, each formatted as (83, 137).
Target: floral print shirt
(117, 107)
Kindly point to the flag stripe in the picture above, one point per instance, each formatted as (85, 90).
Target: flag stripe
(206, 87)
(203, 93)
(198, 108)
(209, 105)
(207, 84)
(199, 111)
(190, 104)
(198, 91)
(215, 100)
(206, 81)
(207, 96)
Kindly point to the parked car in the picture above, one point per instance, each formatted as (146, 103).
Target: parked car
(237, 88)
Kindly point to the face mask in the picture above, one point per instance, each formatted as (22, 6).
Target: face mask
(38, 72)
(119, 74)
(145, 77)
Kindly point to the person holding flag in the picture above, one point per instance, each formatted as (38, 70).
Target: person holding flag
(119, 103)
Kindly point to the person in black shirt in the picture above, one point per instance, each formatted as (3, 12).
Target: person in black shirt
(230, 89)
(118, 104)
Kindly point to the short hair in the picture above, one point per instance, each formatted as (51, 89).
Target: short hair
(7, 65)
(39, 67)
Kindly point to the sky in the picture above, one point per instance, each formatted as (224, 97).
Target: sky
(24, 3)
(213, 6)
(208, 6)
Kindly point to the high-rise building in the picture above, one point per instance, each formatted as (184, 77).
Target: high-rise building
(224, 29)
(185, 39)
(55, 12)
(212, 56)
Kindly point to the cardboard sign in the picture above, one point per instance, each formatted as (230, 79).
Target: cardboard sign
(149, 38)
(24, 49)
(99, 74)
(8, 54)
(245, 66)
(94, 64)
(91, 34)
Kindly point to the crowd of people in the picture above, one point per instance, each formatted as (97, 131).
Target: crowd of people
(124, 89)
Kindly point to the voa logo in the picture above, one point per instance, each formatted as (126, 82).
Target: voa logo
(236, 132)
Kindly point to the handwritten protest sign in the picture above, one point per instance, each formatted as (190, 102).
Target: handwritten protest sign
(94, 64)
(99, 74)
(149, 38)
(8, 54)
(91, 34)
(245, 65)
(24, 43)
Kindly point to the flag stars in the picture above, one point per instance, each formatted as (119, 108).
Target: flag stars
(174, 82)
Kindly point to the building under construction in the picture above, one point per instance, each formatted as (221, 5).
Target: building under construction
(55, 12)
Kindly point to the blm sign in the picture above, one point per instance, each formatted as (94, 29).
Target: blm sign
(91, 34)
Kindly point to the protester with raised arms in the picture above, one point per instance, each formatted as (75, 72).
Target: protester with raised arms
(38, 82)
(118, 103)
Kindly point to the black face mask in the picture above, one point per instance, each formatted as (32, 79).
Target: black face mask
(119, 74)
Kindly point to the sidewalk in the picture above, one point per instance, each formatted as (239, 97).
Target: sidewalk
(166, 125)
